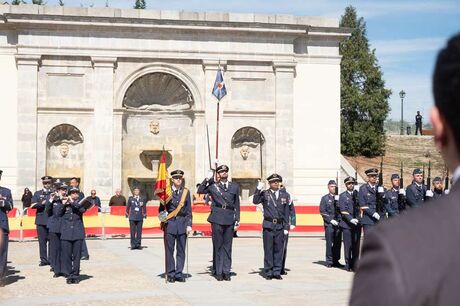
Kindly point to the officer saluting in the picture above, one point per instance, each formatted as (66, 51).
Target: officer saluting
(275, 225)
(332, 231)
(177, 227)
(6, 204)
(393, 196)
(39, 200)
(416, 191)
(72, 235)
(54, 209)
(367, 197)
(136, 211)
(350, 224)
(224, 217)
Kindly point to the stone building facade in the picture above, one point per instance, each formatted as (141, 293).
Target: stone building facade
(98, 93)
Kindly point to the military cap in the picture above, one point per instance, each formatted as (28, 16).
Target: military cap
(177, 173)
(222, 168)
(371, 171)
(395, 176)
(137, 187)
(417, 171)
(437, 179)
(62, 186)
(275, 177)
(331, 182)
(349, 179)
(74, 189)
(47, 178)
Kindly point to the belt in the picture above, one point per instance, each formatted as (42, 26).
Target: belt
(274, 221)
(225, 206)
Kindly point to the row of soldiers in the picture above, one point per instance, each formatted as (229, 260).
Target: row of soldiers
(356, 209)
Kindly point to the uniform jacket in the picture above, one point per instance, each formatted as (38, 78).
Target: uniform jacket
(415, 195)
(327, 209)
(72, 227)
(411, 260)
(392, 202)
(367, 198)
(225, 207)
(5, 206)
(348, 209)
(274, 208)
(41, 197)
(54, 210)
(136, 209)
(178, 224)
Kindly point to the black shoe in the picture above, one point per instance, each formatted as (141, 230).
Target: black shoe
(219, 278)
(227, 277)
(283, 273)
(51, 270)
(338, 265)
(328, 265)
(56, 275)
(84, 258)
(69, 281)
(42, 264)
(277, 277)
(76, 281)
(171, 279)
(348, 269)
(268, 277)
(180, 279)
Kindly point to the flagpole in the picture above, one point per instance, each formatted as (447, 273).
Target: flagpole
(217, 126)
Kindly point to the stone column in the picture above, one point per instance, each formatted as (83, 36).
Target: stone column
(27, 66)
(284, 96)
(101, 152)
(210, 68)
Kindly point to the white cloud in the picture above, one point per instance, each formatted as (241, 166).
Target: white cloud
(404, 46)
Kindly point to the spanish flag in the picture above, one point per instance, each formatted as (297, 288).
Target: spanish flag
(162, 185)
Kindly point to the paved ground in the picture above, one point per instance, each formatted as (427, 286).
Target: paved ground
(115, 275)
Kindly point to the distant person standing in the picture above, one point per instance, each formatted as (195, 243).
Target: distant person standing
(118, 199)
(26, 198)
(418, 123)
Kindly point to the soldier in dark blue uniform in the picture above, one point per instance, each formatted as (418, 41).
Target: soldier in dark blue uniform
(437, 188)
(416, 191)
(292, 225)
(393, 196)
(275, 202)
(224, 217)
(367, 197)
(39, 200)
(6, 204)
(178, 226)
(136, 212)
(332, 232)
(54, 209)
(349, 223)
(75, 183)
(72, 235)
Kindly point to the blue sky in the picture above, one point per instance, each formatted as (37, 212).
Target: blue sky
(406, 34)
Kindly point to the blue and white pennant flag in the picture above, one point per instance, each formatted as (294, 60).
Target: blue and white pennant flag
(219, 90)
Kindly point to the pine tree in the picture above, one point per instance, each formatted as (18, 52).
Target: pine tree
(17, 2)
(39, 2)
(140, 4)
(364, 98)
(61, 2)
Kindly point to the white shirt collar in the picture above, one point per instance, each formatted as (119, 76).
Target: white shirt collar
(350, 192)
(456, 175)
(174, 188)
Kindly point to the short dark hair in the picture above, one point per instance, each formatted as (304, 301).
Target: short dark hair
(74, 178)
(446, 85)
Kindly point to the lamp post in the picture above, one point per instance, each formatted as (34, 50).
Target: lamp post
(402, 94)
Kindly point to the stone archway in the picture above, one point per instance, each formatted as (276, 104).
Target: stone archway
(64, 152)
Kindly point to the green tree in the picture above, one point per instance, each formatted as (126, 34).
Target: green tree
(61, 2)
(17, 2)
(140, 4)
(364, 98)
(39, 2)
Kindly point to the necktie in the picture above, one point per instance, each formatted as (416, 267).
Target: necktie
(176, 191)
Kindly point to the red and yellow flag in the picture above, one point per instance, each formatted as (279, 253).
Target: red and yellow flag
(162, 185)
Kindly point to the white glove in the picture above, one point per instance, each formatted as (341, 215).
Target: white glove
(336, 197)
(260, 185)
(402, 191)
(354, 221)
(286, 232)
(446, 191)
(356, 188)
(376, 216)
(210, 175)
(380, 189)
(236, 226)
(189, 229)
(429, 193)
(335, 223)
(292, 227)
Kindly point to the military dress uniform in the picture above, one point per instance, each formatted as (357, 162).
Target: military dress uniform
(6, 204)
(392, 202)
(136, 212)
(292, 225)
(175, 231)
(368, 196)
(84, 247)
(225, 214)
(351, 229)
(39, 200)
(72, 235)
(332, 233)
(54, 209)
(274, 226)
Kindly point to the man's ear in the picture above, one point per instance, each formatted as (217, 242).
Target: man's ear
(439, 128)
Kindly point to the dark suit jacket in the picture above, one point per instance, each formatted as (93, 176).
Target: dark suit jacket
(178, 224)
(412, 260)
(136, 210)
(274, 208)
(5, 206)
